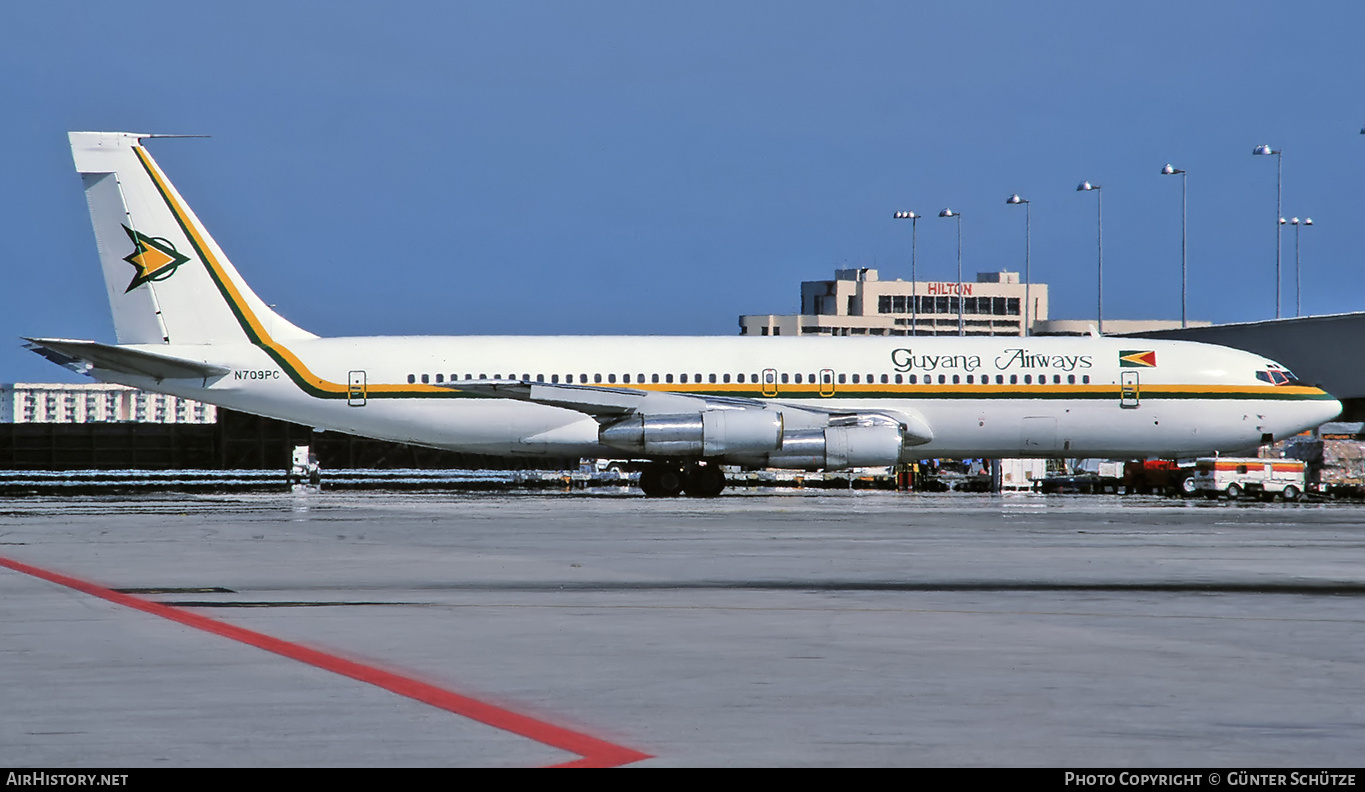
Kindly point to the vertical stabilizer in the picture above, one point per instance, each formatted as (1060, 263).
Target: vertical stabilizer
(168, 281)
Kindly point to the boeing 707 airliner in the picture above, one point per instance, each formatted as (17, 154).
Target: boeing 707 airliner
(187, 324)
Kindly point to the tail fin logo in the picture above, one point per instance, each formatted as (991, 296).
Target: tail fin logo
(154, 258)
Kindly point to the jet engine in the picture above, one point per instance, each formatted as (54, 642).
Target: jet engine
(711, 433)
(835, 448)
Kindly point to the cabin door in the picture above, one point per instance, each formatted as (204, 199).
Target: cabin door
(355, 389)
(826, 382)
(1128, 389)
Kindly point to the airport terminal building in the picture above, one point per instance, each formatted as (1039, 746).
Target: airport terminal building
(858, 302)
(46, 402)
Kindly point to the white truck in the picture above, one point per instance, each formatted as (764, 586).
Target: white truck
(1238, 476)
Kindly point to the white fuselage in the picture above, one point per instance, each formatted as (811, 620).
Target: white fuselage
(981, 397)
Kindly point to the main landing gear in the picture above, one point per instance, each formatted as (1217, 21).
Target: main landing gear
(664, 480)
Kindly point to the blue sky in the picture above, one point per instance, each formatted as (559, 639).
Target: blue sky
(661, 168)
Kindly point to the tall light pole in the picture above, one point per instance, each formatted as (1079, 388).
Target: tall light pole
(1298, 283)
(1171, 171)
(914, 296)
(958, 215)
(1265, 150)
(1086, 186)
(1028, 301)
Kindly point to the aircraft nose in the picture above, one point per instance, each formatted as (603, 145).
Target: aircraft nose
(1328, 409)
(1318, 411)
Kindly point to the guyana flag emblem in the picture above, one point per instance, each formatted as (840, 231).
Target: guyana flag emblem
(1137, 358)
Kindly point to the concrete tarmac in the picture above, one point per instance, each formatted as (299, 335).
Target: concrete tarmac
(791, 628)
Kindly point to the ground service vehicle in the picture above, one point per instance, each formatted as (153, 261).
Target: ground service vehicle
(1236, 476)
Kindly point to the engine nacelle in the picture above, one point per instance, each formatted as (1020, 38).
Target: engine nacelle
(836, 448)
(712, 433)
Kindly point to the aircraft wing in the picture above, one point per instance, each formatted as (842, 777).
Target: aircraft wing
(610, 403)
(81, 356)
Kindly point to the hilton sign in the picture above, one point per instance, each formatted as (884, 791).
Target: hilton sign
(964, 289)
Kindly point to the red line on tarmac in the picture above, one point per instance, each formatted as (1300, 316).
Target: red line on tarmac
(593, 752)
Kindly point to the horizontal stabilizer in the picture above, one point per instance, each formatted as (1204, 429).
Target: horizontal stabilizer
(81, 356)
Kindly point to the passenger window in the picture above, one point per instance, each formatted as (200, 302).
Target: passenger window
(440, 378)
(625, 378)
(583, 379)
(682, 378)
(942, 379)
(596, 378)
(956, 380)
(668, 378)
(1014, 379)
(969, 379)
(712, 378)
(885, 379)
(611, 378)
(898, 379)
(1085, 379)
(554, 378)
(798, 379)
(784, 379)
(841, 379)
(855, 379)
(412, 378)
(1071, 379)
(999, 379)
(1028, 379)
(914, 380)
(426, 379)
(727, 378)
(654, 378)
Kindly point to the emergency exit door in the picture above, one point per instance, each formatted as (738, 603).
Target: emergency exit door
(826, 382)
(769, 382)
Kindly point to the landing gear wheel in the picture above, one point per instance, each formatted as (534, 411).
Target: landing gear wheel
(1291, 493)
(662, 481)
(705, 481)
(1234, 492)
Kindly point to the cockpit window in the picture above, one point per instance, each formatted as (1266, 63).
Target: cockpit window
(1277, 375)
